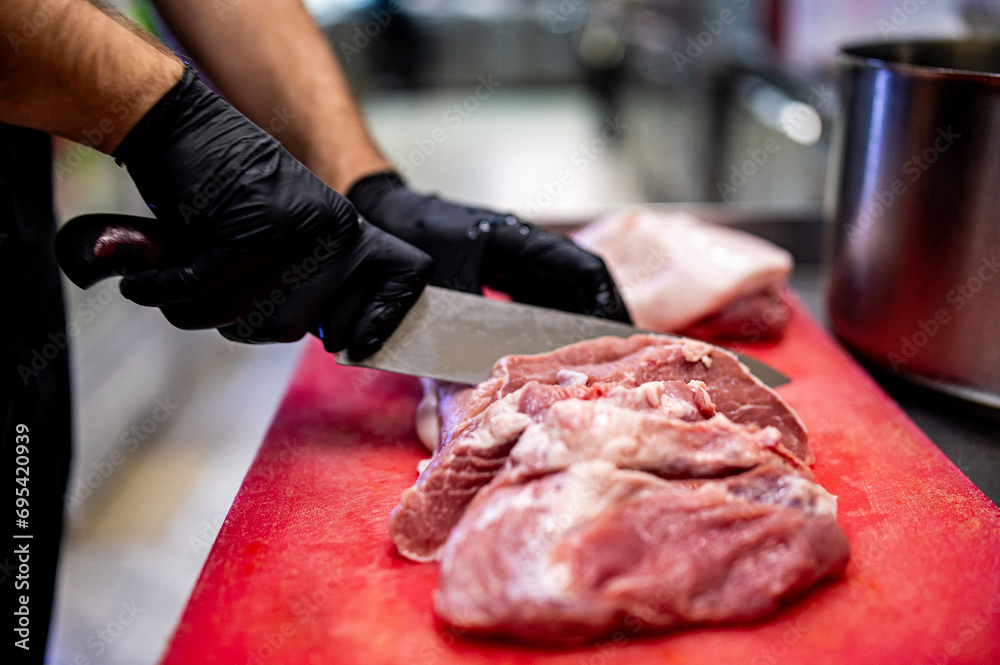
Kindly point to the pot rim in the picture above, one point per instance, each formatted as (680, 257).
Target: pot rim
(859, 54)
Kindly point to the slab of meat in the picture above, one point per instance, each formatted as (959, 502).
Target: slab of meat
(675, 271)
(578, 554)
(632, 484)
(480, 424)
(428, 510)
(632, 361)
(758, 315)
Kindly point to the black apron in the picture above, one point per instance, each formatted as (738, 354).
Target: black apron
(34, 389)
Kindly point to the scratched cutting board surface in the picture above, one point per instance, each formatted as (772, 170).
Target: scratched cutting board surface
(303, 570)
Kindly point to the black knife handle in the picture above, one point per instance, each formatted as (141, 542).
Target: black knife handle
(90, 248)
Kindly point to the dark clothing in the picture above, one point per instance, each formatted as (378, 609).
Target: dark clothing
(34, 389)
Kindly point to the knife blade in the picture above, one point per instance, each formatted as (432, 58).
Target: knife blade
(454, 336)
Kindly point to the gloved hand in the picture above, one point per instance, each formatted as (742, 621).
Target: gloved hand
(473, 247)
(257, 246)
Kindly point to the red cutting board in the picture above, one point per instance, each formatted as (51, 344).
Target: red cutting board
(303, 570)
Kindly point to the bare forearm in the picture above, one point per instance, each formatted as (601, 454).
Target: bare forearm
(271, 61)
(69, 69)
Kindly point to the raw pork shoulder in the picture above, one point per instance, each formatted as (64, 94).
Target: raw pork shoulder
(633, 483)
(679, 274)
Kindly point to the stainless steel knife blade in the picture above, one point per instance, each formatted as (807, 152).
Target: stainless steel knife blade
(454, 336)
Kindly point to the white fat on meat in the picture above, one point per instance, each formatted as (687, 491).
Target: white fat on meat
(428, 418)
(674, 270)
(569, 377)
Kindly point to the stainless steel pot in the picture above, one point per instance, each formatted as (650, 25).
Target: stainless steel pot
(914, 272)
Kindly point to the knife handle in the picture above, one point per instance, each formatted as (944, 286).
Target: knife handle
(93, 247)
(90, 248)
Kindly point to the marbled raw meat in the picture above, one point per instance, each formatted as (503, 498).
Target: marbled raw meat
(632, 361)
(677, 273)
(634, 483)
(578, 554)
(657, 442)
(428, 510)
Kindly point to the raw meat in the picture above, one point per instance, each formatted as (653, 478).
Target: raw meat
(633, 361)
(633, 483)
(654, 441)
(677, 273)
(752, 317)
(426, 513)
(428, 510)
(480, 424)
(578, 554)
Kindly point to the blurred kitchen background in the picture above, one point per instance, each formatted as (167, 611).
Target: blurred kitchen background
(554, 109)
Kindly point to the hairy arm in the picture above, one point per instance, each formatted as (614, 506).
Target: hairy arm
(270, 60)
(71, 69)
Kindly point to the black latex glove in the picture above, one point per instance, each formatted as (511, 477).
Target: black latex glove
(258, 246)
(473, 248)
